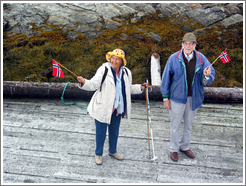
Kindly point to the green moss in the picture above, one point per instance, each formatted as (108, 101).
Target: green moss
(36, 78)
(24, 57)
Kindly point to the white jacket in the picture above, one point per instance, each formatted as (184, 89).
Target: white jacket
(101, 104)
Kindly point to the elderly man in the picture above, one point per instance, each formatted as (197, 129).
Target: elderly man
(185, 75)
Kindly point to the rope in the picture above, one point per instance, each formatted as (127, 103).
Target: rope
(74, 103)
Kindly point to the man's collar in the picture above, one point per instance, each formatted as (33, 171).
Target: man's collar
(190, 56)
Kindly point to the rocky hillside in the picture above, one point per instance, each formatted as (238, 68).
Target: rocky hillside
(80, 34)
(91, 19)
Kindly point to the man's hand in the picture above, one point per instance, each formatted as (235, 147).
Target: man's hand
(167, 104)
(207, 71)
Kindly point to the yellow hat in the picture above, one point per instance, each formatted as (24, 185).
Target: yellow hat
(116, 52)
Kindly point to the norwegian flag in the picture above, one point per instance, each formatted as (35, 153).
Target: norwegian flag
(57, 71)
(224, 57)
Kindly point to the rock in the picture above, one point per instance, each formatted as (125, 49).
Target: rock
(168, 8)
(182, 7)
(204, 31)
(5, 25)
(110, 24)
(138, 16)
(207, 16)
(149, 9)
(195, 5)
(144, 8)
(154, 36)
(124, 36)
(236, 19)
(232, 7)
(91, 19)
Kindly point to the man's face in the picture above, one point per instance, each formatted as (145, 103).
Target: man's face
(188, 47)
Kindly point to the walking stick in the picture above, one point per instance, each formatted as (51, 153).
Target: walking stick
(146, 93)
(150, 124)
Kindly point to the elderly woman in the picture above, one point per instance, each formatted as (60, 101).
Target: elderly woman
(111, 101)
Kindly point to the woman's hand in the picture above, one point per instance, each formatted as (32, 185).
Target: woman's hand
(81, 80)
(144, 85)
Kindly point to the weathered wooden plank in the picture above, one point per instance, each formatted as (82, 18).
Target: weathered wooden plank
(17, 89)
(73, 160)
(160, 119)
(53, 143)
(82, 126)
(132, 150)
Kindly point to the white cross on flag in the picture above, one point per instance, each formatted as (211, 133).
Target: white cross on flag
(224, 57)
(57, 71)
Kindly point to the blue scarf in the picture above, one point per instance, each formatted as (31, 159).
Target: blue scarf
(119, 102)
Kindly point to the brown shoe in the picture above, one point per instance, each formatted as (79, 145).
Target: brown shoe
(174, 156)
(189, 153)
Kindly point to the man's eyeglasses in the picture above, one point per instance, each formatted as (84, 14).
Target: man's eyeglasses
(188, 44)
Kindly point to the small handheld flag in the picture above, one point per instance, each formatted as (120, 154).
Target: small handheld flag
(224, 57)
(57, 71)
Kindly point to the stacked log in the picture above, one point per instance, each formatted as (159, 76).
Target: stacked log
(18, 89)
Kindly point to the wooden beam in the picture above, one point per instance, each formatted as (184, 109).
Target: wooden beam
(18, 89)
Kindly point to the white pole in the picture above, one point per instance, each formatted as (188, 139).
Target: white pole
(150, 126)
(153, 148)
(155, 69)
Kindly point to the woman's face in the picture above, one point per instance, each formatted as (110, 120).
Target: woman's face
(116, 62)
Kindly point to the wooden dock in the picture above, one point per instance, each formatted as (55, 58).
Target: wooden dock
(45, 141)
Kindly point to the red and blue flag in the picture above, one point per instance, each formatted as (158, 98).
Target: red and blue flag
(57, 71)
(224, 57)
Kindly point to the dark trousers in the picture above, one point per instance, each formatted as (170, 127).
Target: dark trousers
(113, 133)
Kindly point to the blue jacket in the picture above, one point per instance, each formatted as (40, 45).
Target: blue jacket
(174, 79)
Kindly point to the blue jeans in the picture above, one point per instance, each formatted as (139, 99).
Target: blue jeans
(113, 133)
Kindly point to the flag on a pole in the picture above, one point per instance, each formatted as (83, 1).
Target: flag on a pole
(224, 57)
(57, 71)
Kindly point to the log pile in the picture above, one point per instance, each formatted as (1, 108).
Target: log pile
(17, 89)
